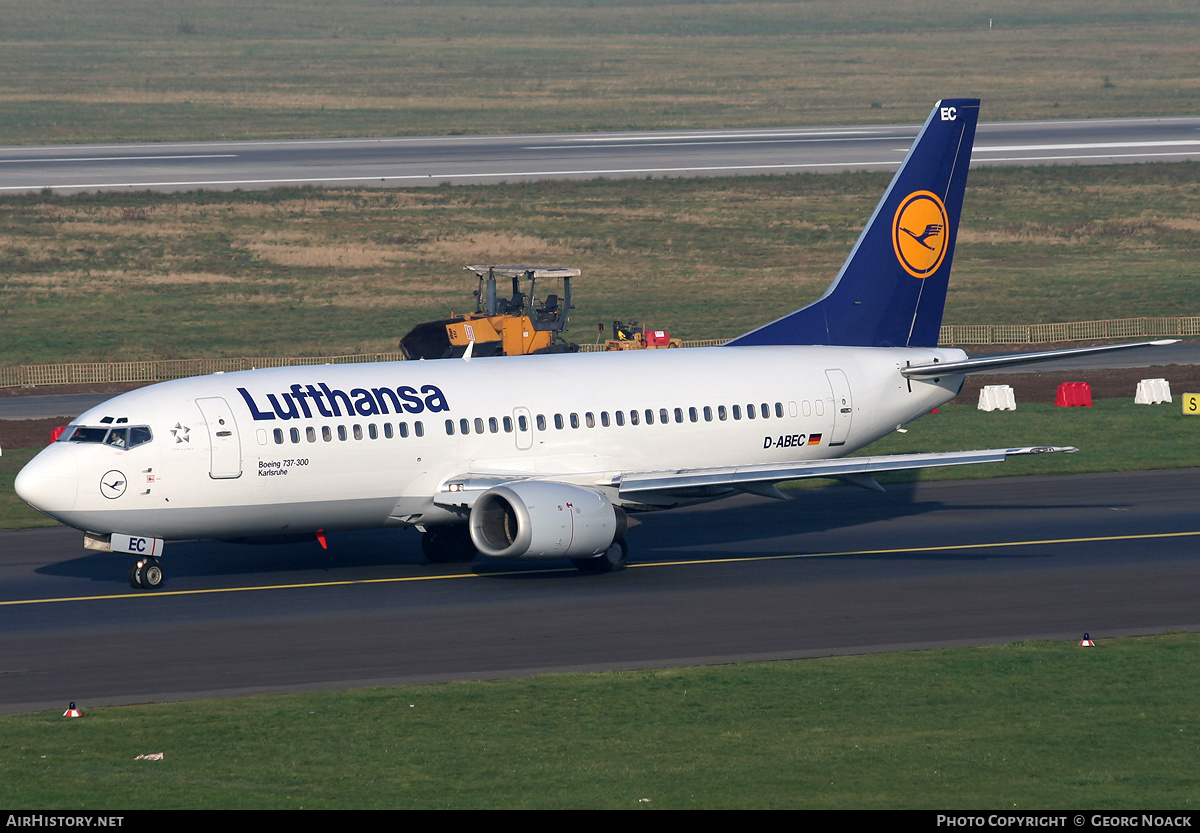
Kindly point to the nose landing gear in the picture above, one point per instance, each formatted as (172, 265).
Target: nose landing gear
(146, 574)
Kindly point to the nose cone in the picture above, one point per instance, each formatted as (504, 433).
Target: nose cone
(50, 481)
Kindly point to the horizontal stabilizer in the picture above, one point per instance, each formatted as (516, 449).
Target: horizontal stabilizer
(929, 371)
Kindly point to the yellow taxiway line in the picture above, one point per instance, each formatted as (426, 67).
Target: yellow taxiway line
(734, 559)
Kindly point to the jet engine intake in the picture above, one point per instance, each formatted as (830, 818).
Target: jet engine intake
(539, 519)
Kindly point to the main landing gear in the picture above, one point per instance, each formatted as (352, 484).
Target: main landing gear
(146, 574)
(609, 561)
(448, 544)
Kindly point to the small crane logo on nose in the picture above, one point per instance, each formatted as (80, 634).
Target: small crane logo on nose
(112, 484)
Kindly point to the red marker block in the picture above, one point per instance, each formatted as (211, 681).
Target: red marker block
(1074, 394)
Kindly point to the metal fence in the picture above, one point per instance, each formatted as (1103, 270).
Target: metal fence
(38, 375)
(161, 370)
(959, 334)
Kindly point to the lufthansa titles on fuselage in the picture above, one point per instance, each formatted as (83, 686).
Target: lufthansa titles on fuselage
(306, 401)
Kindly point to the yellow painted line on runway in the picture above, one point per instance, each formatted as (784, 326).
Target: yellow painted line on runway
(158, 594)
(688, 563)
(947, 548)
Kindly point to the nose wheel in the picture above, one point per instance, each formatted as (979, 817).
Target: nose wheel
(146, 574)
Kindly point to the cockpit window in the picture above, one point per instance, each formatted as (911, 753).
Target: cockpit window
(84, 434)
(121, 438)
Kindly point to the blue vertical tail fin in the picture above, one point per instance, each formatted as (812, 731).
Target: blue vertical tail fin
(891, 290)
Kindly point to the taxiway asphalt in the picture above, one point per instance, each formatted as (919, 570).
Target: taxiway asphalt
(832, 571)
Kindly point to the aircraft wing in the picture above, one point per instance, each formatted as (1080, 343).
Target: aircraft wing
(461, 491)
(760, 479)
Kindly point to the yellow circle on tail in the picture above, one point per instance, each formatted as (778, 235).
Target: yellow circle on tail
(919, 233)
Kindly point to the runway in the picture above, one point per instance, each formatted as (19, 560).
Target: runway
(434, 160)
(832, 571)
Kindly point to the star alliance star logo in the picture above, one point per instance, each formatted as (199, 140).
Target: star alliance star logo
(180, 433)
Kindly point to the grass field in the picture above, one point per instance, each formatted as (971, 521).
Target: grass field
(145, 71)
(1114, 435)
(324, 272)
(1010, 728)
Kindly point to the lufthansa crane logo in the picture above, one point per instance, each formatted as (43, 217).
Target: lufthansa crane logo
(112, 484)
(919, 233)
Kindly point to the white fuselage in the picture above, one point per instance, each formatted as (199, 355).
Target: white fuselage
(297, 449)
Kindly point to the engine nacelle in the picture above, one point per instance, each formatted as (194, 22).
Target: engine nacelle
(538, 519)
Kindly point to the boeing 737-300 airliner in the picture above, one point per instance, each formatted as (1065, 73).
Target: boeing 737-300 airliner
(543, 456)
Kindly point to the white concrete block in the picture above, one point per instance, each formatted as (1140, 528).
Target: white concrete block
(1152, 392)
(997, 398)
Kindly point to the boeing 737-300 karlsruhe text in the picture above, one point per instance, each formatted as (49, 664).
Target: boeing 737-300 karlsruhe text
(541, 457)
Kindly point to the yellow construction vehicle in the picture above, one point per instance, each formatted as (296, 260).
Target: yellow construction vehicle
(515, 326)
(633, 336)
